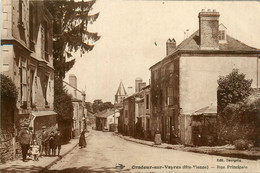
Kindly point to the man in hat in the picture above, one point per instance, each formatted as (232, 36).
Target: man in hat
(44, 141)
(25, 139)
(57, 142)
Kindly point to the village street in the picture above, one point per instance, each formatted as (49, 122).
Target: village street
(105, 151)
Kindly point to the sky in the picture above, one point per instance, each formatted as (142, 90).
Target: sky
(134, 34)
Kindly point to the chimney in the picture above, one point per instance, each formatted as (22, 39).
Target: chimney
(130, 91)
(137, 86)
(208, 29)
(73, 82)
(142, 85)
(170, 46)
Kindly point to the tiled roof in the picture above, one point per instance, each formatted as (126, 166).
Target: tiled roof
(106, 113)
(212, 109)
(192, 43)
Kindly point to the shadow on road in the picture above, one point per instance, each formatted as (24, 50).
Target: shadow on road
(18, 168)
(86, 169)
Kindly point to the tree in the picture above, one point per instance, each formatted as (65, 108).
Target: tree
(100, 106)
(9, 95)
(70, 34)
(64, 108)
(232, 88)
(241, 122)
(89, 106)
(106, 105)
(62, 102)
(70, 31)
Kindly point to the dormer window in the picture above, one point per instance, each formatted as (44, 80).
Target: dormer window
(222, 34)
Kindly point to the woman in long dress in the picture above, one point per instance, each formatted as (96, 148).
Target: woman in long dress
(82, 140)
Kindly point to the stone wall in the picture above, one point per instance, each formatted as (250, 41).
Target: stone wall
(7, 134)
(7, 146)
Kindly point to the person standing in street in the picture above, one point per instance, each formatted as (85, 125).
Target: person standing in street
(44, 141)
(82, 139)
(52, 144)
(57, 142)
(25, 139)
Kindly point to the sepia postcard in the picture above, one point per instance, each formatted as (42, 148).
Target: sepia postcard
(130, 86)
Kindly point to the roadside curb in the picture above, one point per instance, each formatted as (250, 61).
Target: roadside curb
(225, 153)
(61, 157)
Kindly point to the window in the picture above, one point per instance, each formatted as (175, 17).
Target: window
(31, 87)
(31, 26)
(155, 73)
(163, 72)
(23, 80)
(147, 102)
(222, 35)
(45, 89)
(21, 12)
(126, 114)
(170, 96)
(44, 41)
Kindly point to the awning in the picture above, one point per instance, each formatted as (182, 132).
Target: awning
(36, 114)
(139, 99)
(209, 110)
(43, 113)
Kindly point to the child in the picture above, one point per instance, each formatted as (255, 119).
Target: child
(35, 150)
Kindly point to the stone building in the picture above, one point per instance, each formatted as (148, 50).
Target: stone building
(134, 117)
(79, 108)
(185, 81)
(26, 40)
(146, 126)
(106, 119)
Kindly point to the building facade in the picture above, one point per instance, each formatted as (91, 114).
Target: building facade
(106, 119)
(134, 117)
(26, 51)
(79, 107)
(185, 81)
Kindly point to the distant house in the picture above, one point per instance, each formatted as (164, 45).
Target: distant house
(142, 110)
(79, 108)
(134, 115)
(146, 123)
(185, 81)
(106, 118)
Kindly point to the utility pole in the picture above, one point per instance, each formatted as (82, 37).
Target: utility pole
(83, 108)
(115, 115)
